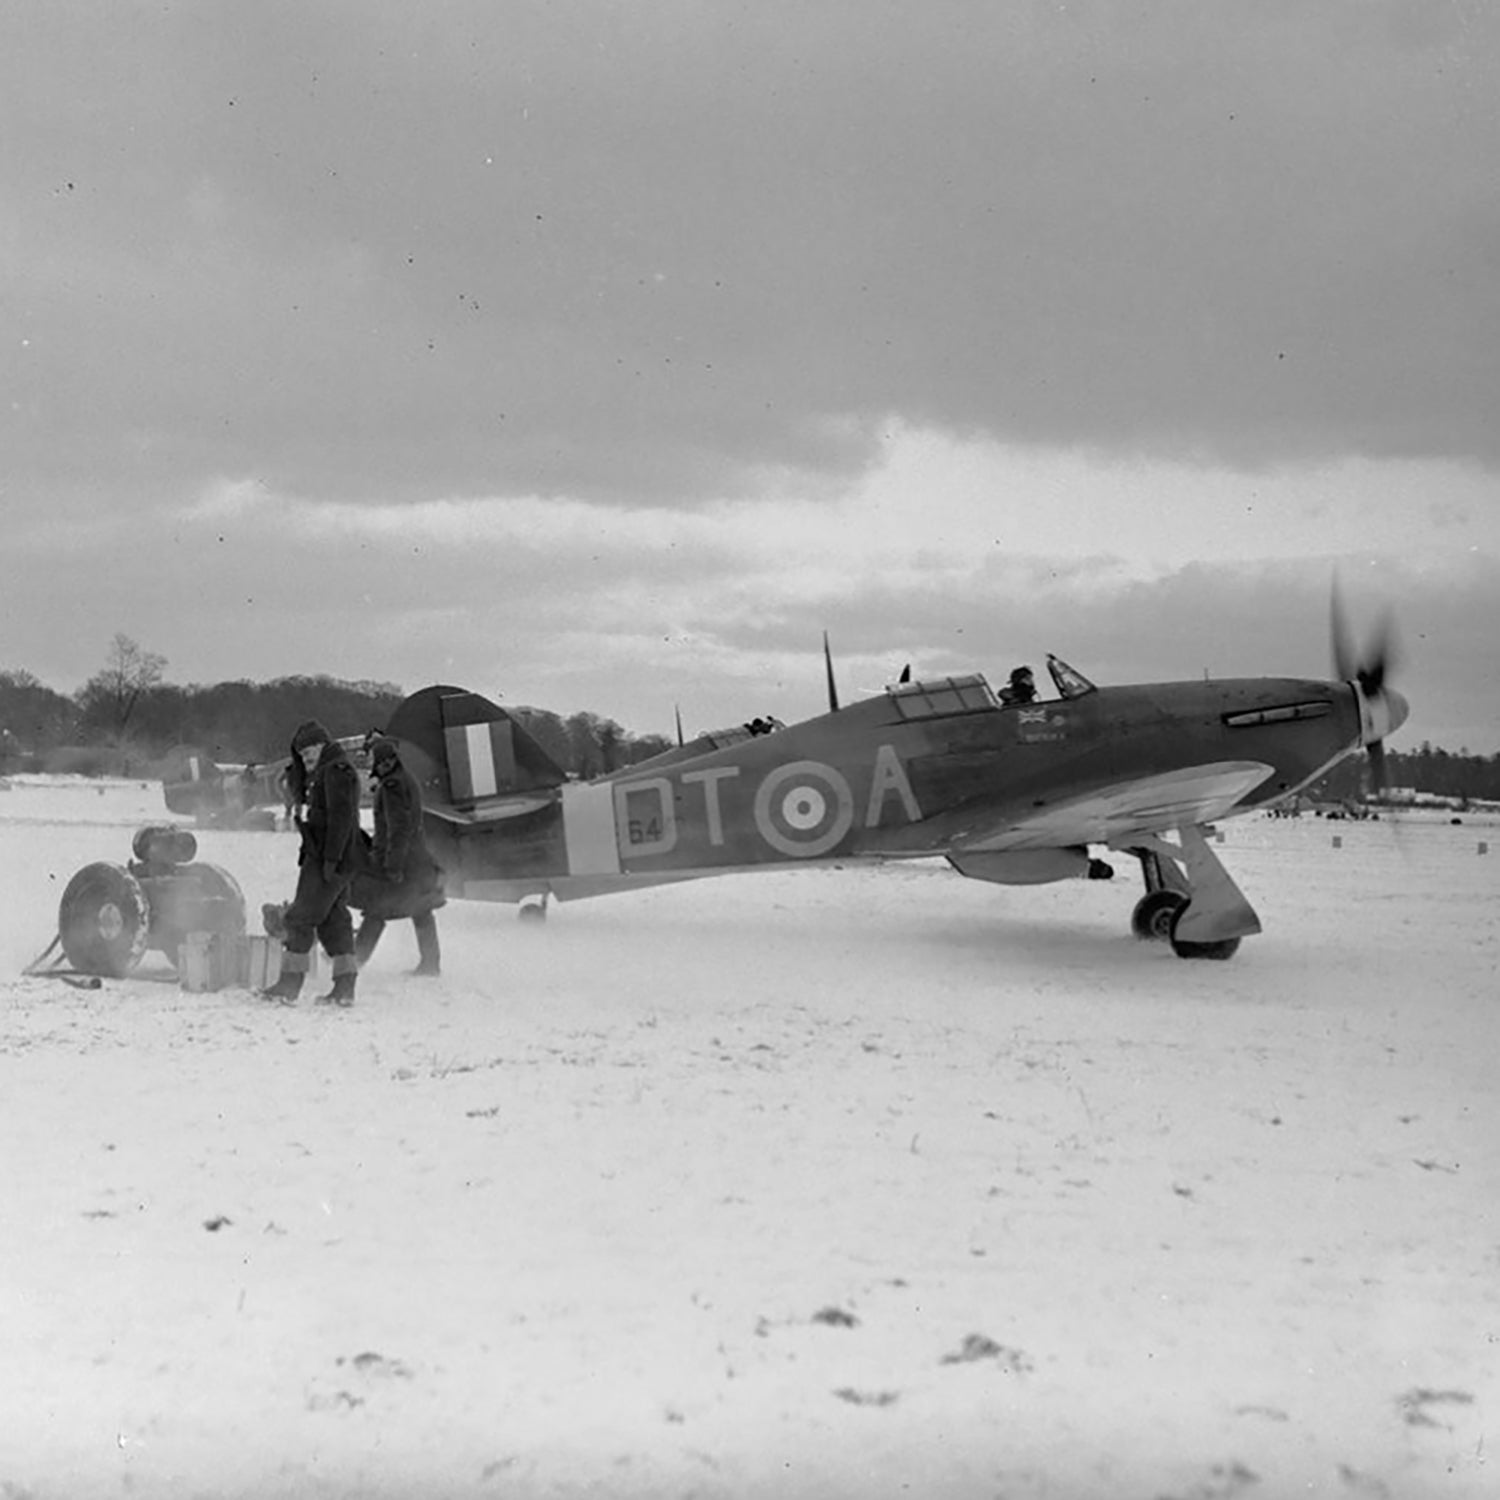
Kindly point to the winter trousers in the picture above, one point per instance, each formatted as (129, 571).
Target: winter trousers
(319, 912)
(429, 953)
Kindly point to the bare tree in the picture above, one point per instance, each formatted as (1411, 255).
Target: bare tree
(110, 696)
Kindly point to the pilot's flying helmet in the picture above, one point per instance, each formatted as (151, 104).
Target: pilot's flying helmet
(309, 733)
(383, 749)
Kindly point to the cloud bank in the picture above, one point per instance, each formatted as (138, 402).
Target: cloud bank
(612, 353)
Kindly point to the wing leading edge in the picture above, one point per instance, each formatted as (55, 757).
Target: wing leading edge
(1115, 813)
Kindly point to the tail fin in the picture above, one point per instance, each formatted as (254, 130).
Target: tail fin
(463, 749)
(191, 783)
(186, 763)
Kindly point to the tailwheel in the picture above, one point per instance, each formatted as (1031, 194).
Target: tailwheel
(533, 908)
(1156, 913)
(1219, 948)
(104, 921)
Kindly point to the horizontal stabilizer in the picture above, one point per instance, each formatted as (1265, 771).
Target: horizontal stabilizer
(495, 809)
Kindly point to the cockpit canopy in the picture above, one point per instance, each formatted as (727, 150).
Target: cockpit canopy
(943, 695)
(940, 696)
(1070, 682)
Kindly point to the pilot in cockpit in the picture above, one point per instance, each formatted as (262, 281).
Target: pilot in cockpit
(1022, 687)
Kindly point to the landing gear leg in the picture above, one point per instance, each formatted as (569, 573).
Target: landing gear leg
(1190, 899)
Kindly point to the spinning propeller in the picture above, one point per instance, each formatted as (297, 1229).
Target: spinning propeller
(1382, 710)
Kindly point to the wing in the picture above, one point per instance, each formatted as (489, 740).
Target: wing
(1147, 804)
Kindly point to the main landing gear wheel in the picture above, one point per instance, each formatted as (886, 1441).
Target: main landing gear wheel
(104, 921)
(1221, 948)
(532, 909)
(1156, 914)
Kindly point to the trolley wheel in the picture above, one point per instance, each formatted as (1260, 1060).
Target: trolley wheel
(104, 921)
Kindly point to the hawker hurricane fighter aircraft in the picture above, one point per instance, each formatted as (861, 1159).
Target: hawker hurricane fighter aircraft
(222, 796)
(1015, 793)
(241, 797)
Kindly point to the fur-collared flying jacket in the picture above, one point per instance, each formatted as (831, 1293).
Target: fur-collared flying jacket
(402, 878)
(330, 828)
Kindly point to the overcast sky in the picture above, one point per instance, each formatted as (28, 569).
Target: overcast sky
(603, 355)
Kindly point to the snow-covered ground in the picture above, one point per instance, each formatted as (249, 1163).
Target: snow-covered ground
(865, 1182)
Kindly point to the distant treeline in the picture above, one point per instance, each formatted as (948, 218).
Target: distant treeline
(1439, 773)
(116, 726)
(125, 718)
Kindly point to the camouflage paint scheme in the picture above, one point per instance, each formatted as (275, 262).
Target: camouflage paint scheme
(1010, 793)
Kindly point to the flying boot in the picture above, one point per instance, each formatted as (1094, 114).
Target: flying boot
(366, 938)
(345, 970)
(429, 952)
(294, 967)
